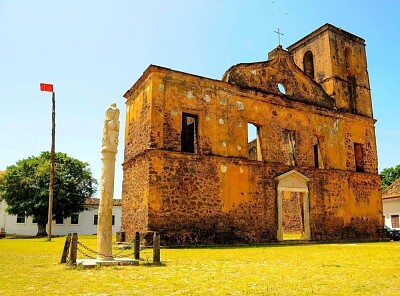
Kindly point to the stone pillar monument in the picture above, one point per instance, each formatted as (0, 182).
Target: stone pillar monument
(108, 152)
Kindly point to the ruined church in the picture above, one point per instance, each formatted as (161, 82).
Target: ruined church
(193, 173)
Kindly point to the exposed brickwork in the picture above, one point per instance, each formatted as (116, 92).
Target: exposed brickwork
(292, 212)
(138, 125)
(341, 66)
(370, 157)
(194, 212)
(135, 195)
(221, 195)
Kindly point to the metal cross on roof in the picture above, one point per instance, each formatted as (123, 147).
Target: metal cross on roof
(279, 36)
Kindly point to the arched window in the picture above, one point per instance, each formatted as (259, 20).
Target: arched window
(308, 64)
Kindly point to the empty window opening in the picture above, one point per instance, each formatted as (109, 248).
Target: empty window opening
(395, 221)
(292, 215)
(189, 133)
(318, 160)
(75, 219)
(359, 157)
(282, 88)
(253, 142)
(290, 147)
(113, 220)
(308, 64)
(59, 219)
(95, 219)
(21, 219)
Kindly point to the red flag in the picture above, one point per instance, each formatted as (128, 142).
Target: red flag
(46, 87)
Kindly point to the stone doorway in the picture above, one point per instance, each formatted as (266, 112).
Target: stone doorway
(292, 215)
(292, 191)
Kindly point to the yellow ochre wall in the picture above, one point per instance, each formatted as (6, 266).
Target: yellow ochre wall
(219, 195)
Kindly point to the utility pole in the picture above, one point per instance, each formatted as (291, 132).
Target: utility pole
(49, 88)
(52, 161)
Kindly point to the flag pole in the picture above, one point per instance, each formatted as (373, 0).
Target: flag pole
(52, 163)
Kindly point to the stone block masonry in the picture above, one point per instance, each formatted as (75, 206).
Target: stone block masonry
(192, 173)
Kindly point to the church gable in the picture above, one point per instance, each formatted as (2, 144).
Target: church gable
(279, 76)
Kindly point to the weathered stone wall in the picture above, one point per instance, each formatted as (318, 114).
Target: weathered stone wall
(223, 114)
(218, 194)
(204, 199)
(292, 212)
(335, 211)
(138, 121)
(340, 66)
(209, 199)
(135, 195)
(135, 186)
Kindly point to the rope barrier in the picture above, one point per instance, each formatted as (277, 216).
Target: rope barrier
(117, 255)
(88, 252)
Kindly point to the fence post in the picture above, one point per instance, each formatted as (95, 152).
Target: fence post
(137, 246)
(66, 248)
(74, 249)
(156, 248)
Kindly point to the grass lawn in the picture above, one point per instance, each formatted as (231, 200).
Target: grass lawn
(31, 267)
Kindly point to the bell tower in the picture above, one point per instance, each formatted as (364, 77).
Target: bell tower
(337, 60)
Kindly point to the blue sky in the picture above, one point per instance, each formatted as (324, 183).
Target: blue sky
(93, 51)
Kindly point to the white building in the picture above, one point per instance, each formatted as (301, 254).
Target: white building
(83, 223)
(391, 205)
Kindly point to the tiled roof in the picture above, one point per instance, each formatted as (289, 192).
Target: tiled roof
(393, 191)
(92, 201)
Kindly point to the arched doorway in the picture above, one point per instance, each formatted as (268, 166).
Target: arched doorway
(296, 182)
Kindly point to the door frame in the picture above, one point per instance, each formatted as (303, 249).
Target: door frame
(293, 181)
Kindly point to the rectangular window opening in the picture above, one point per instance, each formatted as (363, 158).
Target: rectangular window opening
(189, 133)
(74, 219)
(21, 219)
(253, 142)
(113, 220)
(395, 221)
(290, 146)
(318, 160)
(95, 219)
(359, 157)
(59, 219)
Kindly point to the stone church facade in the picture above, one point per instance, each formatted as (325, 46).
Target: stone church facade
(191, 173)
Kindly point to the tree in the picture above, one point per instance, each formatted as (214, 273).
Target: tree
(389, 175)
(25, 187)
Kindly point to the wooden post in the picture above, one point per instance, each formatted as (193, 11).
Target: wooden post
(74, 249)
(66, 248)
(52, 164)
(136, 246)
(156, 248)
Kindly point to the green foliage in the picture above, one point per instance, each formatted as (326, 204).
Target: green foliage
(389, 175)
(25, 186)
